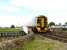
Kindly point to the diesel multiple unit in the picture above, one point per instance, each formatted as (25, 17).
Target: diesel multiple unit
(41, 24)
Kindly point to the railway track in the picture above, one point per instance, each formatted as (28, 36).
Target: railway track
(59, 36)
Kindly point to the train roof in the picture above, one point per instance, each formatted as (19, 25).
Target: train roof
(41, 16)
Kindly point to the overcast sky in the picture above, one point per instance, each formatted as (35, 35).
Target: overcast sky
(21, 12)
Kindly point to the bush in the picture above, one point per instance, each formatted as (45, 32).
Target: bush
(64, 29)
(12, 26)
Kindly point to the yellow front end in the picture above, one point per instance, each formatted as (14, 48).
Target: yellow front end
(41, 24)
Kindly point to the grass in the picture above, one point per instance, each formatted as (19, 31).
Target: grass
(44, 44)
(9, 30)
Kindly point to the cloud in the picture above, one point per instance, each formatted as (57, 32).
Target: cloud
(42, 4)
(21, 12)
(15, 20)
(9, 8)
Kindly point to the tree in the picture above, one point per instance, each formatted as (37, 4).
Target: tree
(12, 26)
(65, 23)
(51, 23)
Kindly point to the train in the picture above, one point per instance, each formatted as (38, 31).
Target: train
(41, 24)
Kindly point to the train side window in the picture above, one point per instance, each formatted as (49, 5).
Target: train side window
(38, 20)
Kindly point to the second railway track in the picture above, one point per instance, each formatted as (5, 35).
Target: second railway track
(60, 36)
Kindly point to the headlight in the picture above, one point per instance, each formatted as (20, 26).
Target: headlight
(38, 29)
(45, 28)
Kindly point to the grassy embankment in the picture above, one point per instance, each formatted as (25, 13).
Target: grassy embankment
(41, 43)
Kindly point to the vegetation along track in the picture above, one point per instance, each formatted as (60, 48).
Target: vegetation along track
(62, 36)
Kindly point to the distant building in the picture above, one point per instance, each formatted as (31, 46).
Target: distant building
(59, 26)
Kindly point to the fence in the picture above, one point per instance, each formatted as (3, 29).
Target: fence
(9, 34)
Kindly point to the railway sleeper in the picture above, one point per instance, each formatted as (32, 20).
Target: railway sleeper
(56, 38)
